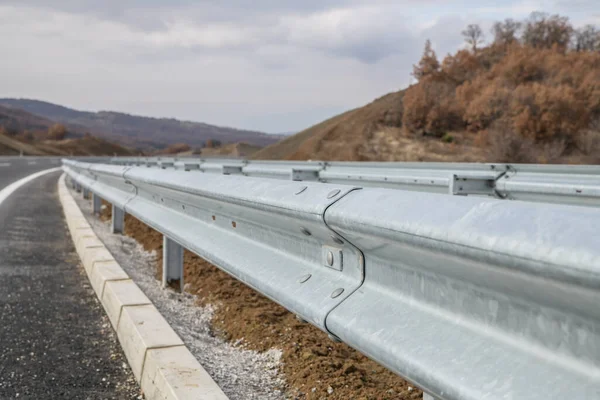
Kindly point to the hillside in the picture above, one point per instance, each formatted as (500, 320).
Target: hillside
(241, 150)
(84, 146)
(527, 98)
(29, 134)
(137, 131)
(17, 120)
(370, 133)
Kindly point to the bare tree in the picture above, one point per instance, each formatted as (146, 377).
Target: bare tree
(506, 32)
(587, 38)
(545, 31)
(428, 63)
(473, 36)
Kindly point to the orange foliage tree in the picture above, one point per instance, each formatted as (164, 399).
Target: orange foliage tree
(533, 84)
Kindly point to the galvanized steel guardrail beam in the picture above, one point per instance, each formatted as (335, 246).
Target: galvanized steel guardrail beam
(468, 297)
(563, 184)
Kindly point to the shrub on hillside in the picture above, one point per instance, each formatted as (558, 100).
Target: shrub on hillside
(506, 145)
(56, 132)
(588, 140)
(547, 113)
(430, 108)
(212, 144)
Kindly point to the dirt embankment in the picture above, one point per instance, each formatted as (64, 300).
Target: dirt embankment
(314, 366)
(372, 133)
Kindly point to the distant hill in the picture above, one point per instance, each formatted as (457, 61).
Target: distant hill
(137, 131)
(25, 133)
(83, 146)
(17, 120)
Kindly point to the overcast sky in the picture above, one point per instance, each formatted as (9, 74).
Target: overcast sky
(270, 65)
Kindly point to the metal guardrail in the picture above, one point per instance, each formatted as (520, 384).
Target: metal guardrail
(470, 298)
(563, 184)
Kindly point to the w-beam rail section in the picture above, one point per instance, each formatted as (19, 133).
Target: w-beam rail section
(563, 184)
(469, 297)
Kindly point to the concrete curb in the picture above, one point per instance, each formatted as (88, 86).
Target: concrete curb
(162, 365)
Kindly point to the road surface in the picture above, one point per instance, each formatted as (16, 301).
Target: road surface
(55, 341)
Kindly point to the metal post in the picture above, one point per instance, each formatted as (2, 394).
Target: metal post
(428, 397)
(78, 187)
(86, 193)
(172, 262)
(118, 220)
(96, 203)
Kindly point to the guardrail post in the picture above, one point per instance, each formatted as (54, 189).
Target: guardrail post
(428, 397)
(77, 187)
(118, 220)
(86, 193)
(96, 203)
(172, 262)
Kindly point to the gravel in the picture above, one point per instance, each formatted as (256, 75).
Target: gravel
(241, 373)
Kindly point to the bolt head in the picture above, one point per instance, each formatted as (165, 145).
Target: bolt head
(302, 189)
(337, 239)
(333, 193)
(329, 258)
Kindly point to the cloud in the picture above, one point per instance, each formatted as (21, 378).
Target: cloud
(272, 65)
(365, 33)
(185, 34)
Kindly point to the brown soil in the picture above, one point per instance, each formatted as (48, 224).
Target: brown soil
(312, 363)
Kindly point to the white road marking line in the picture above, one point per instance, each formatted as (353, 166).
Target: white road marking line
(5, 164)
(31, 162)
(8, 190)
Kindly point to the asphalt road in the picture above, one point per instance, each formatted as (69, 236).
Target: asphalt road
(55, 341)
(14, 168)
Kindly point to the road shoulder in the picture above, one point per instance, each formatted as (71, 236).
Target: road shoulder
(161, 363)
